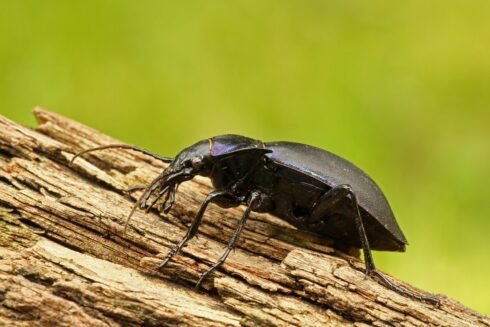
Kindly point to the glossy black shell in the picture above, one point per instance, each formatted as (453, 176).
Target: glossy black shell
(304, 172)
(333, 170)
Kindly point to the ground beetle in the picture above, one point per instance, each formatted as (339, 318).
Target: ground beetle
(308, 187)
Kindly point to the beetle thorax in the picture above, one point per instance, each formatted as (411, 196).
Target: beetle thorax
(233, 172)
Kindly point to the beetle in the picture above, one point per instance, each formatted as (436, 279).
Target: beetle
(310, 188)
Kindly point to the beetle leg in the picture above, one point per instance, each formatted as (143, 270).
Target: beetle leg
(368, 258)
(331, 200)
(403, 291)
(254, 198)
(328, 201)
(191, 232)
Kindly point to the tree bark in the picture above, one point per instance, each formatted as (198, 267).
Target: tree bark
(66, 261)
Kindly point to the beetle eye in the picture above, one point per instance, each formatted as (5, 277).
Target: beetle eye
(197, 162)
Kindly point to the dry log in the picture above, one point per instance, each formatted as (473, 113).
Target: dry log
(66, 261)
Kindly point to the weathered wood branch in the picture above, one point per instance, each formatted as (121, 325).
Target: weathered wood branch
(65, 259)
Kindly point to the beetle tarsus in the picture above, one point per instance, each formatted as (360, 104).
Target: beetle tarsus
(394, 287)
(368, 258)
(231, 245)
(192, 231)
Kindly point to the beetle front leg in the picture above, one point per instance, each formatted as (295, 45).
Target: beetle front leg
(252, 202)
(192, 231)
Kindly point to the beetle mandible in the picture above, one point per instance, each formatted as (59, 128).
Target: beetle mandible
(308, 187)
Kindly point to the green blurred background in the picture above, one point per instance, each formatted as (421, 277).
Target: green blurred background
(402, 89)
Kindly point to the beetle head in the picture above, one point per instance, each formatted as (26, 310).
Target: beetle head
(225, 159)
(192, 161)
(205, 156)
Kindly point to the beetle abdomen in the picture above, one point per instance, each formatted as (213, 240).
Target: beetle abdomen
(333, 170)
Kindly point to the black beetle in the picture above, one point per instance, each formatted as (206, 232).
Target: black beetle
(308, 187)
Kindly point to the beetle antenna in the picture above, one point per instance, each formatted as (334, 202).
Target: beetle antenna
(123, 146)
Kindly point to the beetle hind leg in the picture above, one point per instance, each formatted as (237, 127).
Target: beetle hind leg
(368, 258)
(329, 202)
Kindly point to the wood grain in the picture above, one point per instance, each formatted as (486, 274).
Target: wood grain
(66, 261)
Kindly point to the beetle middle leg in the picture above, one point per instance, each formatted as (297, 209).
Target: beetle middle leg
(253, 200)
(192, 231)
(328, 202)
